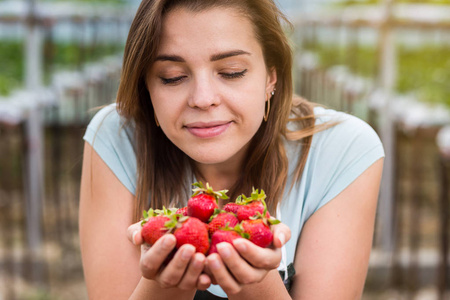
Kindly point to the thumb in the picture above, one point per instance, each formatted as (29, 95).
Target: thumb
(134, 234)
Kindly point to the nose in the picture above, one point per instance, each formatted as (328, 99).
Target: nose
(204, 94)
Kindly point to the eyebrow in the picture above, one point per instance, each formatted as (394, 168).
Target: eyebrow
(214, 57)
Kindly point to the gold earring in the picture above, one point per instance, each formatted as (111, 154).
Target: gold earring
(266, 111)
(156, 119)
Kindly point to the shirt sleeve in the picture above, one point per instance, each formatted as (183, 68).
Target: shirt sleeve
(112, 139)
(339, 155)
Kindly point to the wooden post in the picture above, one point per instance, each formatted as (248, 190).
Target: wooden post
(34, 152)
(386, 81)
(33, 48)
(443, 141)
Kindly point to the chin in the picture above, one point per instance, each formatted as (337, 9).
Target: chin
(210, 158)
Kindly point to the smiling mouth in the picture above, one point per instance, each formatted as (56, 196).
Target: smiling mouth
(207, 130)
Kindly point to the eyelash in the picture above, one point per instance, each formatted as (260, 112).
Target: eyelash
(172, 80)
(234, 74)
(175, 80)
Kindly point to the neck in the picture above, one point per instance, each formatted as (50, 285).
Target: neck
(219, 176)
(222, 175)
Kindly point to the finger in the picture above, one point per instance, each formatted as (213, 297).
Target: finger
(204, 281)
(195, 268)
(241, 270)
(208, 272)
(281, 234)
(153, 258)
(223, 277)
(263, 258)
(172, 274)
(134, 233)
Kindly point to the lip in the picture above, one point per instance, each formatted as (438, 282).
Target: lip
(209, 129)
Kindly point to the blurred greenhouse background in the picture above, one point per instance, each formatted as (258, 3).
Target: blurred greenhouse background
(385, 61)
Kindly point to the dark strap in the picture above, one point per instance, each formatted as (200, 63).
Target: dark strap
(291, 273)
(205, 295)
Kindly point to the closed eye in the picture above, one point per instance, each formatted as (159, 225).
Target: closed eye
(172, 80)
(234, 75)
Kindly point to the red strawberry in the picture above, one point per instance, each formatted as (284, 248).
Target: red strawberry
(190, 230)
(245, 212)
(253, 206)
(222, 219)
(203, 202)
(153, 225)
(258, 232)
(182, 211)
(231, 207)
(222, 235)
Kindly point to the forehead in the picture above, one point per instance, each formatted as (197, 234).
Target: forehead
(210, 29)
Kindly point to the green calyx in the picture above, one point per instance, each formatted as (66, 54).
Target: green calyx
(200, 188)
(175, 222)
(266, 221)
(215, 213)
(254, 196)
(147, 214)
(240, 230)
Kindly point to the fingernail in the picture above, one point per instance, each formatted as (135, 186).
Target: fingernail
(133, 238)
(168, 242)
(187, 253)
(198, 261)
(224, 250)
(282, 238)
(214, 263)
(239, 244)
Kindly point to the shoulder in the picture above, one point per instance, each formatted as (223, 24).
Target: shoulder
(108, 124)
(341, 124)
(344, 132)
(337, 156)
(342, 136)
(112, 137)
(106, 117)
(347, 140)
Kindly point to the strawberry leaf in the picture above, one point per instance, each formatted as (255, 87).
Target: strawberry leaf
(172, 211)
(200, 188)
(183, 219)
(245, 235)
(273, 221)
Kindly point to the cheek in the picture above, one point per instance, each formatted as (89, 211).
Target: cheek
(251, 111)
(252, 103)
(165, 106)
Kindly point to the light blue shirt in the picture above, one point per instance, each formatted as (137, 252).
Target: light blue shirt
(338, 155)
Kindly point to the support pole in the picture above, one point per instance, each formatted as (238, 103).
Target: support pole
(387, 73)
(33, 49)
(34, 135)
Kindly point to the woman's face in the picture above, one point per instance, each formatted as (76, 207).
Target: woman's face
(208, 84)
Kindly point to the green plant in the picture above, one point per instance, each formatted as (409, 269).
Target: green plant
(12, 67)
(424, 70)
(57, 56)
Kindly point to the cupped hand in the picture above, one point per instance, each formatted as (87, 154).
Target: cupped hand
(245, 263)
(184, 270)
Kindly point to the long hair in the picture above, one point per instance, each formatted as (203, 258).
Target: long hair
(163, 169)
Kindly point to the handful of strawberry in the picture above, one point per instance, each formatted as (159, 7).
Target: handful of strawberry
(202, 224)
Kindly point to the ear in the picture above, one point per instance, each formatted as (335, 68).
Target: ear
(271, 80)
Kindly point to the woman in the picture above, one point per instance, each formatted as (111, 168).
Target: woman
(206, 95)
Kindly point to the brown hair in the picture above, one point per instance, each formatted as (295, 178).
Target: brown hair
(163, 169)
